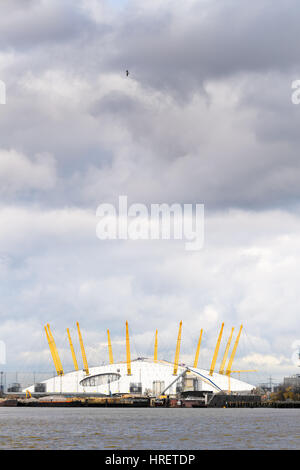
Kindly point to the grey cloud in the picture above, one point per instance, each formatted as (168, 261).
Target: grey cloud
(33, 23)
(181, 149)
(118, 104)
(183, 47)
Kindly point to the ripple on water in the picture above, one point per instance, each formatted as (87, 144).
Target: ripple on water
(149, 429)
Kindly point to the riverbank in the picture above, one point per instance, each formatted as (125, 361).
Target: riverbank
(216, 401)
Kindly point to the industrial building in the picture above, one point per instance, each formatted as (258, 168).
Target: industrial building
(142, 376)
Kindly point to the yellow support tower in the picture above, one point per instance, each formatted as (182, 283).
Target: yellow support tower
(111, 359)
(59, 367)
(72, 351)
(85, 363)
(215, 356)
(221, 371)
(52, 352)
(52, 348)
(176, 360)
(128, 351)
(155, 347)
(198, 350)
(228, 371)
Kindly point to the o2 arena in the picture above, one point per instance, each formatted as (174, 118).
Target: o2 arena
(143, 376)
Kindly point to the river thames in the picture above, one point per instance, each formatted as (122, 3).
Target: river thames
(154, 429)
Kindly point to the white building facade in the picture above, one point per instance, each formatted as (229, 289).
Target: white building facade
(148, 377)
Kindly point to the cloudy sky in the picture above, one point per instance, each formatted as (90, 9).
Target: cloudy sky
(205, 116)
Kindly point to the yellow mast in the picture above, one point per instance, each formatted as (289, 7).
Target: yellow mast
(198, 350)
(215, 356)
(59, 367)
(111, 359)
(228, 370)
(53, 349)
(52, 352)
(85, 363)
(222, 367)
(176, 360)
(128, 351)
(155, 347)
(72, 351)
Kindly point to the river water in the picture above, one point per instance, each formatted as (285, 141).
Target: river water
(153, 429)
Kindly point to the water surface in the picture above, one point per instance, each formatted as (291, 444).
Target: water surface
(154, 429)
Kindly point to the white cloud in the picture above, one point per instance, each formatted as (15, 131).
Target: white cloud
(65, 273)
(263, 360)
(19, 173)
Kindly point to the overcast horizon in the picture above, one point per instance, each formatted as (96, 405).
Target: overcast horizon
(205, 116)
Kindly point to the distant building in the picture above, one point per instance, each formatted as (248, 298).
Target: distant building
(293, 381)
